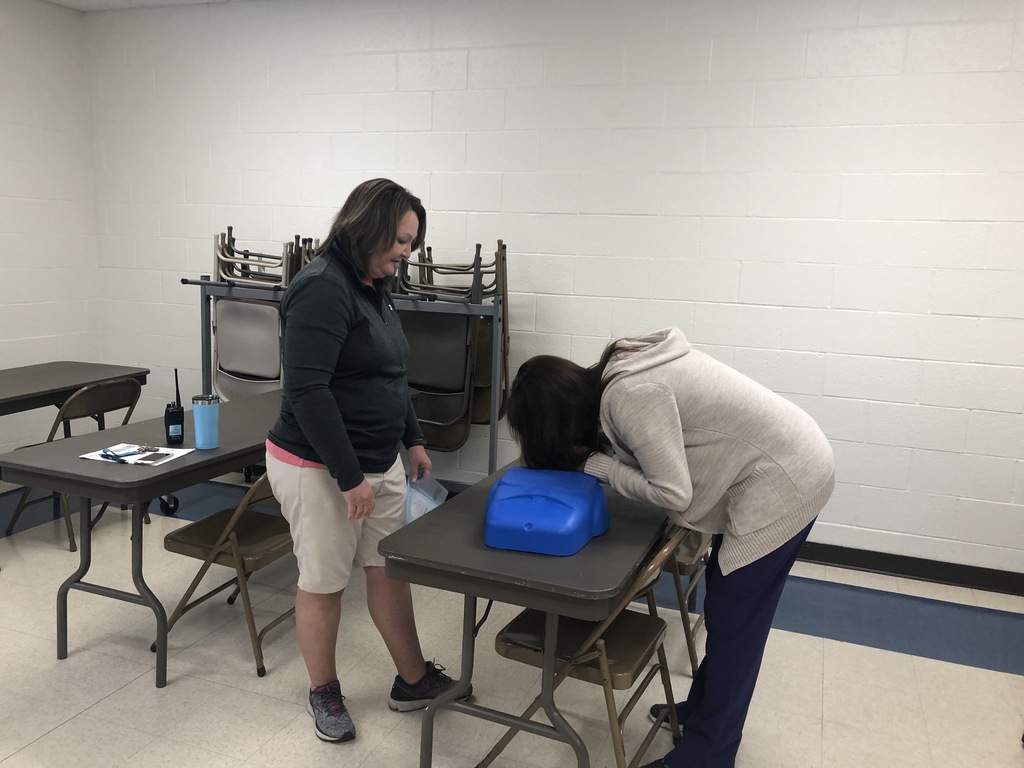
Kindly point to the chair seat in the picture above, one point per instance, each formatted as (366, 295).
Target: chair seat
(630, 641)
(261, 538)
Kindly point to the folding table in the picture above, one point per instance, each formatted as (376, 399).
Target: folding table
(244, 423)
(445, 549)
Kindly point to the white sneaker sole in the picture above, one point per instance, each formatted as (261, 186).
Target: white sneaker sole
(412, 706)
(323, 736)
(664, 723)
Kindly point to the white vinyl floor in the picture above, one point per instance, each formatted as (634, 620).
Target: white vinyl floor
(819, 703)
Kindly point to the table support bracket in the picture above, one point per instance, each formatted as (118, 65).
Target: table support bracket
(145, 595)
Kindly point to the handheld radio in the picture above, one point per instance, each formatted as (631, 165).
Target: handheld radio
(174, 417)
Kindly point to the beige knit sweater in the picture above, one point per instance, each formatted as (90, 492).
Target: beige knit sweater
(720, 452)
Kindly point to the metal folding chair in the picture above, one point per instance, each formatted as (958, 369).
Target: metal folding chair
(615, 653)
(94, 402)
(243, 539)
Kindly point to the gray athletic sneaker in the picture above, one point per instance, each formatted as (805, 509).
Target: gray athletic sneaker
(331, 720)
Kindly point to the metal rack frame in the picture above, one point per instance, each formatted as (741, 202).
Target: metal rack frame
(493, 307)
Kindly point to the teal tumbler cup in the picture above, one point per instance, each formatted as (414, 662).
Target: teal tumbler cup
(206, 414)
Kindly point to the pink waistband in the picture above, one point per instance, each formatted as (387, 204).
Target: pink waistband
(281, 454)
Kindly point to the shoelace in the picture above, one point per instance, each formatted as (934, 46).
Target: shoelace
(436, 678)
(333, 705)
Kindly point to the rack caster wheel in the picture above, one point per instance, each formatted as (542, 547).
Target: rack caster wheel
(168, 504)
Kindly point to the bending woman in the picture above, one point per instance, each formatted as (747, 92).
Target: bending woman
(664, 423)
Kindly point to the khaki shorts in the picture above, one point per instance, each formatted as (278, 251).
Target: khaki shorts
(326, 543)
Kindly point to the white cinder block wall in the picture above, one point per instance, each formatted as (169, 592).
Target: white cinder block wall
(48, 275)
(827, 195)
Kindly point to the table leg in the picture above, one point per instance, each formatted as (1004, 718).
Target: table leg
(145, 595)
(138, 512)
(549, 681)
(465, 677)
(547, 691)
(84, 561)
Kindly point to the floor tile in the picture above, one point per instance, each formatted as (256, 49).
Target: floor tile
(862, 578)
(933, 591)
(167, 753)
(819, 703)
(84, 742)
(998, 601)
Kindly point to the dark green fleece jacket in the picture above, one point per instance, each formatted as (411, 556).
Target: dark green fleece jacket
(345, 402)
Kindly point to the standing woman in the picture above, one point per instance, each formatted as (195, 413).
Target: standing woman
(332, 455)
(664, 423)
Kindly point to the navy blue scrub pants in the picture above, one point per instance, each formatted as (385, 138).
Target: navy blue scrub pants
(738, 613)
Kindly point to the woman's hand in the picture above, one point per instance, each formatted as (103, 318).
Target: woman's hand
(419, 463)
(360, 501)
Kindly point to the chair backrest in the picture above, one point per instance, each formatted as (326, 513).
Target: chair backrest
(451, 359)
(96, 400)
(247, 347)
(259, 492)
(644, 580)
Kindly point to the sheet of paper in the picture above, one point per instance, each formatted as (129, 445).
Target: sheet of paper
(127, 453)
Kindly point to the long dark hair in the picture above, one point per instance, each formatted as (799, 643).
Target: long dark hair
(368, 221)
(554, 410)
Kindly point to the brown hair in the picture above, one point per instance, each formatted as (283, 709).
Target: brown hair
(367, 223)
(553, 412)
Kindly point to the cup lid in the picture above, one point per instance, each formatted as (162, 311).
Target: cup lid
(205, 399)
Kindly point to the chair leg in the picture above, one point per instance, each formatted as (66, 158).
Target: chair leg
(250, 620)
(65, 503)
(684, 614)
(183, 606)
(99, 515)
(666, 682)
(145, 514)
(609, 702)
(18, 510)
(283, 617)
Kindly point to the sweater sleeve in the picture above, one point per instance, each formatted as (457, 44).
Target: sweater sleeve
(316, 327)
(644, 420)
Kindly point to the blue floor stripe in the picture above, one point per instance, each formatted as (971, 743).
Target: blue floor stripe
(934, 629)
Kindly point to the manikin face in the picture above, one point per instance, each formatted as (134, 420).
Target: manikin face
(385, 264)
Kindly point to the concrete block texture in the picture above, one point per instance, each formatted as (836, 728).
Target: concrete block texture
(826, 195)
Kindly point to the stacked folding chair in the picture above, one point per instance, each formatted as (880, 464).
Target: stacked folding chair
(451, 354)
(240, 266)
(246, 332)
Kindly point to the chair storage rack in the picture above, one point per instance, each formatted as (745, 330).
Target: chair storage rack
(451, 356)
(491, 307)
